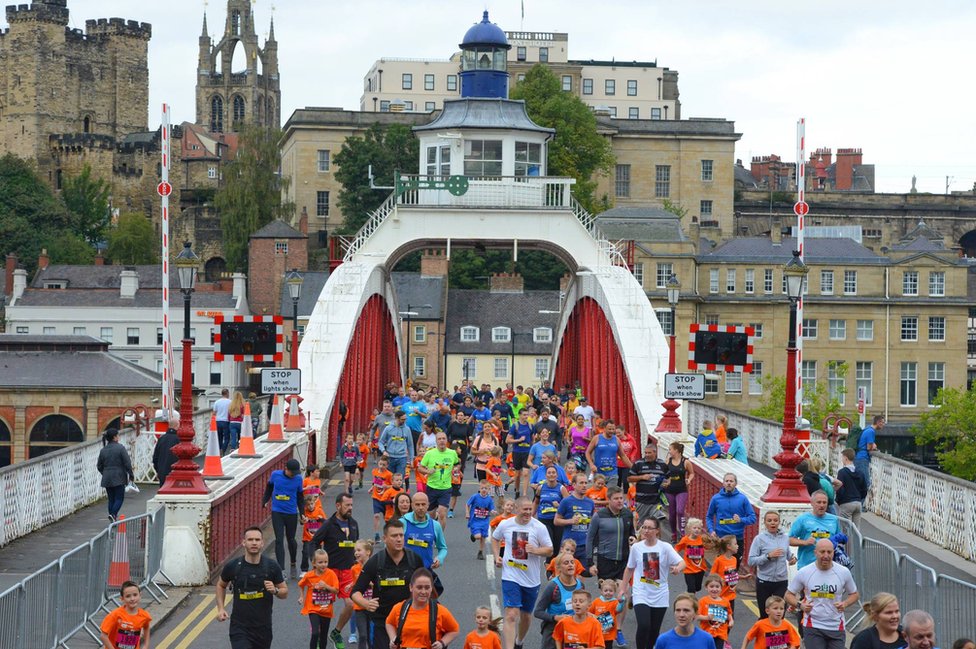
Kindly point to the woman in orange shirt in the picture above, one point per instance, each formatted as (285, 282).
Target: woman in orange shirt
(413, 630)
(319, 587)
(127, 625)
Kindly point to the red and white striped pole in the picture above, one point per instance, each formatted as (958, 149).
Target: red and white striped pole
(800, 209)
(164, 192)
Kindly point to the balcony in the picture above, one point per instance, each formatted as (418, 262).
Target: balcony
(493, 192)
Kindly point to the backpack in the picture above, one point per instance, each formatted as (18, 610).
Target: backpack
(828, 488)
(854, 437)
(431, 624)
(239, 565)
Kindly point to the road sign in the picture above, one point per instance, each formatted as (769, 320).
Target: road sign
(164, 189)
(276, 380)
(800, 208)
(684, 386)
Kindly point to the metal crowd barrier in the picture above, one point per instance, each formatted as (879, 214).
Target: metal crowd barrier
(46, 609)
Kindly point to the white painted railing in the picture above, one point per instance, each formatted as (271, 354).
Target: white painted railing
(495, 192)
(375, 220)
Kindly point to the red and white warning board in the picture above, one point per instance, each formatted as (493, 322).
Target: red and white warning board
(720, 348)
(258, 338)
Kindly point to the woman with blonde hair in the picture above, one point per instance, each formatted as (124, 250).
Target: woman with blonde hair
(885, 632)
(235, 417)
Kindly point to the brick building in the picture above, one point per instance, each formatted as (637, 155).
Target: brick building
(273, 250)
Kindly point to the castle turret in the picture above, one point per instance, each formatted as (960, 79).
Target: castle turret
(484, 61)
(203, 56)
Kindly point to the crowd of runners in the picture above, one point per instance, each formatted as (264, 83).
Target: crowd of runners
(571, 511)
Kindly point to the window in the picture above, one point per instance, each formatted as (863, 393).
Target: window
(78, 331)
(439, 160)
(865, 329)
(528, 158)
(706, 170)
(909, 283)
(655, 113)
(543, 55)
(664, 319)
(501, 368)
(664, 272)
(838, 329)
(713, 280)
(542, 335)
(470, 334)
(711, 318)
(406, 81)
(733, 383)
(750, 283)
(215, 376)
(131, 336)
(622, 181)
(587, 86)
(105, 333)
(809, 330)
(501, 335)
(705, 207)
(909, 384)
(909, 328)
(408, 106)
(384, 105)
(826, 282)
(711, 385)
(613, 111)
(420, 333)
(610, 87)
(567, 83)
(757, 329)
(836, 387)
(767, 280)
(850, 282)
(639, 273)
(520, 53)
(808, 378)
(217, 115)
(452, 82)
(662, 181)
(633, 113)
(430, 106)
(632, 88)
(863, 379)
(23, 329)
(937, 284)
(482, 158)
(936, 381)
(521, 77)
(419, 365)
(159, 335)
(469, 367)
(542, 368)
(211, 172)
(428, 82)
(755, 379)
(730, 280)
(324, 160)
(281, 247)
(322, 204)
(937, 328)
(238, 109)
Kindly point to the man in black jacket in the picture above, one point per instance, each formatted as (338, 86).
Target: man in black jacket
(338, 536)
(163, 458)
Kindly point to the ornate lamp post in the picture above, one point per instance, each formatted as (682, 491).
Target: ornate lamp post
(787, 485)
(670, 422)
(294, 281)
(185, 478)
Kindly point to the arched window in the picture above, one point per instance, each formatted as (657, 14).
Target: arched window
(115, 423)
(235, 23)
(87, 125)
(214, 269)
(470, 334)
(53, 432)
(4, 444)
(217, 114)
(238, 109)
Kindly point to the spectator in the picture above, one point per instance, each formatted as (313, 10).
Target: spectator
(867, 444)
(116, 469)
(163, 458)
(221, 408)
(737, 448)
(853, 488)
(885, 631)
(706, 444)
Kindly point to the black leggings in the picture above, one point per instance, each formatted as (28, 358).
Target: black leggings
(622, 474)
(363, 630)
(285, 524)
(320, 631)
(693, 581)
(555, 532)
(765, 590)
(649, 619)
(380, 638)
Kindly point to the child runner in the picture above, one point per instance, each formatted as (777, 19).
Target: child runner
(508, 510)
(773, 632)
(715, 612)
(579, 630)
(312, 484)
(362, 552)
(127, 625)
(350, 456)
(364, 458)
(457, 476)
(312, 518)
(606, 607)
(570, 468)
(692, 548)
(319, 587)
(478, 511)
(485, 635)
(390, 495)
(493, 473)
(382, 479)
(568, 546)
(726, 566)
(598, 492)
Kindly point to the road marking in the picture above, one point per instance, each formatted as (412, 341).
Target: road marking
(334, 483)
(195, 632)
(187, 621)
(496, 610)
(752, 606)
(490, 567)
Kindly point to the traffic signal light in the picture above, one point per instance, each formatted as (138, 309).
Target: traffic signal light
(248, 338)
(721, 348)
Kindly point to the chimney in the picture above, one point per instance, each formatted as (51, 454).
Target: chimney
(303, 221)
(240, 285)
(42, 260)
(433, 263)
(19, 284)
(776, 232)
(506, 283)
(128, 282)
(847, 159)
(8, 286)
(99, 259)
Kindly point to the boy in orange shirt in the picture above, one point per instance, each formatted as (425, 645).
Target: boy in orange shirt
(598, 492)
(715, 612)
(726, 566)
(493, 474)
(508, 511)
(312, 518)
(128, 625)
(692, 549)
(382, 479)
(579, 630)
(319, 587)
(389, 496)
(568, 546)
(773, 632)
(421, 478)
(457, 477)
(362, 551)
(364, 453)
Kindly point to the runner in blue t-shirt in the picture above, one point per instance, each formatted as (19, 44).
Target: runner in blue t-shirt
(604, 451)
(540, 447)
(574, 514)
(520, 438)
(479, 510)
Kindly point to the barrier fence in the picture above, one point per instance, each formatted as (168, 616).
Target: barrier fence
(47, 608)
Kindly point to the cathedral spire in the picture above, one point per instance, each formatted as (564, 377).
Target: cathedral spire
(271, 36)
(205, 31)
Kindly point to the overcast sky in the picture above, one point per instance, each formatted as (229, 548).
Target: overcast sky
(892, 77)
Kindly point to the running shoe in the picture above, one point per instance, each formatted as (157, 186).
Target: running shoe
(481, 555)
(471, 537)
(450, 513)
(294, 572)
(621, 641)
(353, 639)
(336, 637)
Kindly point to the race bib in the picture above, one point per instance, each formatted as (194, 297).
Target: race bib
(313, 526)
(695, 553)
(718, 613)
(727, 521)
(282, 497)
(322, 597)
(777, 639)
(392, 582)
(125, 639)
(605, 620)
(518, 565)
(249, 595)
(731, 578)
(481, 512)
(347, 544)
(418, 542)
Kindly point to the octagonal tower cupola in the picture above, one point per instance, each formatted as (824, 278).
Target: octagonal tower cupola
(484, 61)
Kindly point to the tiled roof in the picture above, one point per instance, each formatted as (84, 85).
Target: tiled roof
(278, 229)
(762, 249)
(93, 277)
(312, 284)
(144, 298)
(415, 291)
(640, 224)
(485, 310)
(483, 113)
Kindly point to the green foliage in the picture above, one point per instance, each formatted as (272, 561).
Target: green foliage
(470, 269)
(133, 241)
(69, 248)
(952, 429)
(86, 199)
(388, 149)
(818, 402)
(578, 150)
(781, 197)
(250, 197)
(674, 208)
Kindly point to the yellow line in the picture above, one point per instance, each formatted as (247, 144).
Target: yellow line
(196, 631)
(175, 633)
(748, 602)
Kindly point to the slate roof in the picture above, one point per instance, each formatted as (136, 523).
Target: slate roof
(485, 310)
(839, 250)
(414, 290)
(311, 289)
(278, 229)
(144, 298)
(481, 113)
(93, 277)
(743, 178)
(640, 224)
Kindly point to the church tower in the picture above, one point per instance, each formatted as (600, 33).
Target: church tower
(237, 81)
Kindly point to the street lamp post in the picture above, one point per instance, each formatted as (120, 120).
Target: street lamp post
(294, 281)
(670, 422)
(787, 485)
(185, 477)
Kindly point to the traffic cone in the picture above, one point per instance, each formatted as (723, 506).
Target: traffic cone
(118, 570)
(212, 467)
(246, 449)
(294, 423)
(275, 433)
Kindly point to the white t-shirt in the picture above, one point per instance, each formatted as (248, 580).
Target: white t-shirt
(221, 408)
(587, 412)
(825, 588)
(652, 566)
(518, 565)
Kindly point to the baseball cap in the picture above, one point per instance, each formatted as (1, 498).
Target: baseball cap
(293, 465)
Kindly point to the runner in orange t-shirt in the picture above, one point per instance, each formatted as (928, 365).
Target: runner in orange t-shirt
(691, 547)
(319, 588)
(580, 630)
(416, 628)
(773, 632)
(598, 492)
(726, 566)
(362, 552)
(508, 510)
(364, 452)
(714, 611)
(606, 608)
(485, 636)
(312, 518)
(127, 625)
(389, 496)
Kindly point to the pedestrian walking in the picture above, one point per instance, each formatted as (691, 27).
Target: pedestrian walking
(163, 458)
(116, 469)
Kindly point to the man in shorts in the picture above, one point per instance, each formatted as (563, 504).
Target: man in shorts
(338, 536)
(256, 580)
(437, 464)
(527, 543)
(823, 591)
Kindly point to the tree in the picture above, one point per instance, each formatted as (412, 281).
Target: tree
(133, 241)
(86, 199)
(251, 196)
(69, 248)
(577, 150)
(952, 428)
(388, 149)
(675, 208)
(818, 401)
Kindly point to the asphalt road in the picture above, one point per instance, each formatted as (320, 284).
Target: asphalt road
(468, 582)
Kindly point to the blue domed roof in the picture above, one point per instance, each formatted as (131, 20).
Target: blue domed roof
(485, 33)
